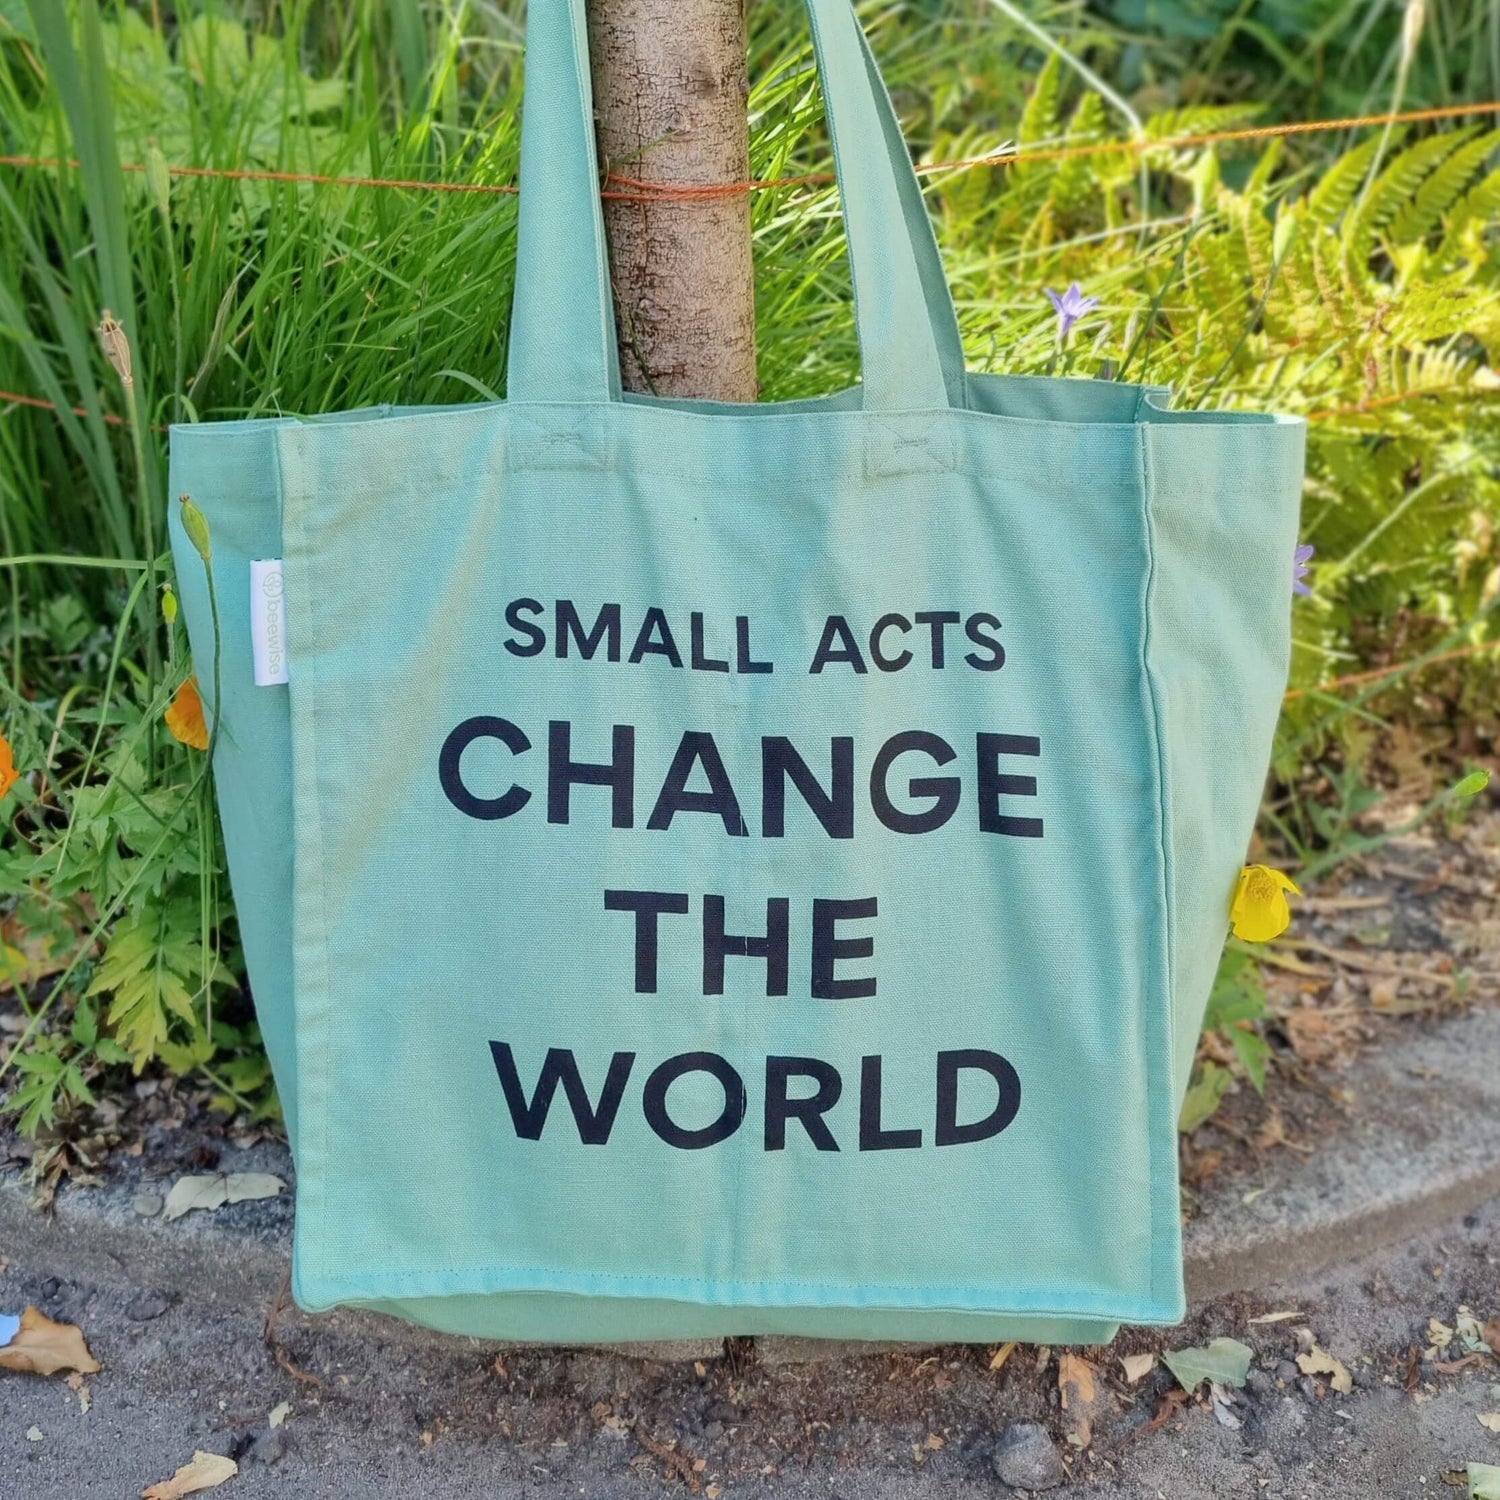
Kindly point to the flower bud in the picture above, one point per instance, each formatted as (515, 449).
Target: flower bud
(168, 604)
(195, 524)
(116, 347)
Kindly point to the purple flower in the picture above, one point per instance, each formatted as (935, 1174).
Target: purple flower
(1300, 570)
(1071, 305)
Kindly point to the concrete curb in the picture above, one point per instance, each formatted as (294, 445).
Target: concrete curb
(1422, 1143)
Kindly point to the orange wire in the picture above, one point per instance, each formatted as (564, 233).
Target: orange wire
(641, 190)
(17, 399)
(1375, 676)
(78, 411)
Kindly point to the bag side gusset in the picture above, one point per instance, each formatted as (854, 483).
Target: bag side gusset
(1223, 496)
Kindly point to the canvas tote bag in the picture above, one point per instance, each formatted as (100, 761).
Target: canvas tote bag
(725, 870)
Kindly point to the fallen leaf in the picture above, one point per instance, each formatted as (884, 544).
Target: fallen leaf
(1137, 1366)
(215, 1190)
(279, 1414)
(34, 1434)
(206, 1471)
(1219, 1398)
(1454, 1366)
(1003, 1353)
(1080, 1396)
(1492, 1335)
(1471, 1333)
(1490, 1420)
(1321, 1362)
(1276, 1317)
(934, 1442)
(1440, 1335)
(42, 1347)
(1224, 1360)
(1171, 1402)
(1484, 1482)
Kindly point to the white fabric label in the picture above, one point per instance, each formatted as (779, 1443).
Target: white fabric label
(268, 621)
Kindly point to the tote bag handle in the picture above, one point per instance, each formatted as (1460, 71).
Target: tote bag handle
(562, 336)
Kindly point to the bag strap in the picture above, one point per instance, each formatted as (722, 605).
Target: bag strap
(562, 337)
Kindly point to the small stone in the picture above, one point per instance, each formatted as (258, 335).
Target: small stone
(145, 1306)
(269, 1446)
(148, 1205)
(1025, 1458)
(1309, 1387)
(1260, 1382)
(1287, 1372)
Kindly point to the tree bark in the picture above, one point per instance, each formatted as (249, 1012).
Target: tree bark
(670, 85)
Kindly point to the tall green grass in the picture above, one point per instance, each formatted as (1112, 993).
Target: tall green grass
(1315, 279)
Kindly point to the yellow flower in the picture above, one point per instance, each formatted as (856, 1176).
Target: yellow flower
(9, 776)
(1259, 910)
(185, 719)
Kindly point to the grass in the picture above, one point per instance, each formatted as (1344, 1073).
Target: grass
(1354, 280)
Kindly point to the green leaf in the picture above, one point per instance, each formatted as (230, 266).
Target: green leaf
(157, 971)
(1254, 1053)
(1204, 1097)
(1484, 1482)
(1223, 1361)
(1472, 784)
(85, 1030)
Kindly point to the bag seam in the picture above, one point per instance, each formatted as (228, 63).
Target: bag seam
(1162, 1054)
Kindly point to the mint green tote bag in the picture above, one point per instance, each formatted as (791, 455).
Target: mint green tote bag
(730, 870)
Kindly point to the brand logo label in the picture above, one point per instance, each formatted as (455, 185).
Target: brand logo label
(268, 621)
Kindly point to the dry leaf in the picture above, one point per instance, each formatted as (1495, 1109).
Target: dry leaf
(1080, 1395)
(205, 1472)
(1455, 1366)
(1440, 1334)
(279, 1414)
(219, 1188)
(1225, 1360)
(1276, 1317)
(1003, 1353)
(42, 1347)
(1492, 1335)
(1491, 1420)
(1321, 1362)
(1137, 1366)
(1471, 1333)
(1223, 1415)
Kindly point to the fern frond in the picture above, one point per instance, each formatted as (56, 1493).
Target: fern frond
(1329, 200)
(1396, 186)
(1041, 118)
(1423, 213)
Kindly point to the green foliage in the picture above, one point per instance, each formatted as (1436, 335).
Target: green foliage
(1352, 281)
(1236, 1005)
(1237, 1001)
(1204, 1096)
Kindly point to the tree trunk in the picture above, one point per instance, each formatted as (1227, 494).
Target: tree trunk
(670, 85)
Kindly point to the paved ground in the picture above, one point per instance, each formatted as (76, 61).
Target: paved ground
(392, 1415)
